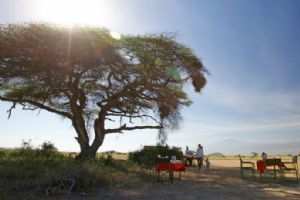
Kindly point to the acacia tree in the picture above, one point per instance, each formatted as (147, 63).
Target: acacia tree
(85, 75)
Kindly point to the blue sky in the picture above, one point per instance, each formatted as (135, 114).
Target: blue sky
(251, 48)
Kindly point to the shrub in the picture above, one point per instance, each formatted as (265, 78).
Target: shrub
(26, 150)
(3, 153)
(254, 154)
(151, 152)
(107, 160)
(47, 149)
(34, 171)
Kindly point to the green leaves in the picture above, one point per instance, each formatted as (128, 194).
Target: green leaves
(174, 73)
(84, 72)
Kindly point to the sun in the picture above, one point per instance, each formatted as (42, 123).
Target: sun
(74, 12)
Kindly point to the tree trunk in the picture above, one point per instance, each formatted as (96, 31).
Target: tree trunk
(83, 139)
(89, 151)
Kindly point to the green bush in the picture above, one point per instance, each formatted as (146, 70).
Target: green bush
(107, 159)
(26, 150)
(3, 153)
(36, 175)
(151, 153)
(33, 170)
(47, 149)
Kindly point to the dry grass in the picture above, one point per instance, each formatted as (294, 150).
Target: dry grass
(116, 156)
(222, 182)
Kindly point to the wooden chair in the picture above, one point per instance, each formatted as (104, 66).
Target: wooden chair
(163, 168)
(246, 165)
(146, 164)
(292, 167)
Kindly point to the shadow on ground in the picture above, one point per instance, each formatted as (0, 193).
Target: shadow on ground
(219, 183)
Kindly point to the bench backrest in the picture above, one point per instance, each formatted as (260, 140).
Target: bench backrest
(274, 161)
(295, 159)
(146, 161)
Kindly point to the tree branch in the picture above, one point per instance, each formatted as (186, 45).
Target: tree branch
(133, 116)
(42, 106)
(125, 128)
(10, 110)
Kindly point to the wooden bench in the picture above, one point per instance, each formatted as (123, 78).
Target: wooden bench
(292, 167)
(276, 166)
(246, 165)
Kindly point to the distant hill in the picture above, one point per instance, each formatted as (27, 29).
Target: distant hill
(216, 154)
(234, 147)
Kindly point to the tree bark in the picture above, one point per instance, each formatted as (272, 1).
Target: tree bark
(89, 151)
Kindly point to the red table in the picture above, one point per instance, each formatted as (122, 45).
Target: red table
(177, 167)
(162, 167)
(170, 168)
(262, 165)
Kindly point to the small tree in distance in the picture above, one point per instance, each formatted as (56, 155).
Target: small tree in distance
(85, 75)
(254, 154)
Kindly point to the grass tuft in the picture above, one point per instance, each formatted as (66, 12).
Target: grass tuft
(31, 171)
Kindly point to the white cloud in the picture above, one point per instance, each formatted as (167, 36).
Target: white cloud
(240, 127)
(281, 105)
(250, 111)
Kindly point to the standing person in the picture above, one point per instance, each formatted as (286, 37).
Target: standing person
(188, 156)
(199, 156)
(207, 164)
(187, 151)
(264, 156)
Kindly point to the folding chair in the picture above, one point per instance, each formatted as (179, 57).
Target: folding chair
(246, 165)
(292, 167)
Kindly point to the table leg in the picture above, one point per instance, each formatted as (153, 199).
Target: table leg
(171, 175)
(260, 176)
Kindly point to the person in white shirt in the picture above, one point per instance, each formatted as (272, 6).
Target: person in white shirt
(187, 151)
(188, 156)
(199, 156)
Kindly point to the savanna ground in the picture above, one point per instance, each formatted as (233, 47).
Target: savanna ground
(223, 181)
(123, 180)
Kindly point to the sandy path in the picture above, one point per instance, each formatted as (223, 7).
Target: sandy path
(219, 183)
(222, 182)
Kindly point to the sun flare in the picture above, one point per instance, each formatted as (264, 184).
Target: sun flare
(115, 35)
(74, 12)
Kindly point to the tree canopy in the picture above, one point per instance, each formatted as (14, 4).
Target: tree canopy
(85, 75)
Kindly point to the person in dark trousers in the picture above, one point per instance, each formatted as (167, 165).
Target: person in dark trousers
(199, 156)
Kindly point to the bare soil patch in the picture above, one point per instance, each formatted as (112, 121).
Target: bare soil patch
(221, 182)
